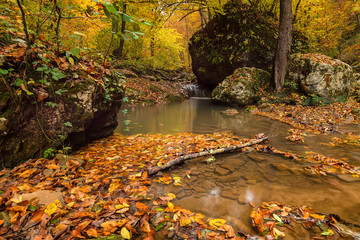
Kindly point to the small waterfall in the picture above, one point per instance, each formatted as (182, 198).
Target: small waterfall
(194, 90)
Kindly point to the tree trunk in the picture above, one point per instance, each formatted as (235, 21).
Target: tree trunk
(282, 55)
(181, 159)
(122, 30)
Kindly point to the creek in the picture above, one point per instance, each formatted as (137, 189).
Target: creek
(224, 188)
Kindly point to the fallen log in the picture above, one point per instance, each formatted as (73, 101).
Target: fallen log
(181, 159)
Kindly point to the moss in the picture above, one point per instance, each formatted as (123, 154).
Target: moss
(80, 86)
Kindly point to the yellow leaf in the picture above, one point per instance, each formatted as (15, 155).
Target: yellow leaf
(70, 204)
(171, 195)
(278, 232)
(170, 206)
(125, 233)
(52, 207)
(16, 198)
(119, 206)
(217, 222)
(185, 221)
(71, 61)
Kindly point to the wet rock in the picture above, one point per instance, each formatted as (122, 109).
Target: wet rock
(234, 161)
(45, 197)
(198, 189)
(228, 194)
(257, 157)
(199, 195)
(182, 194)
(231, 177)
(241, 199)
(347, 178)
(279, 166)
(207, 184)
(221, 171)
(191, 179)
(228, 166)
(269, 177)
(253, 176)
(251, 181)
(173, 189)
(296, 170)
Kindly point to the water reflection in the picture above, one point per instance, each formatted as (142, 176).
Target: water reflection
(196, 115)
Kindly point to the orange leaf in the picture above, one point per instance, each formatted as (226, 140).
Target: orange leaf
(145, 226)
(92, 233)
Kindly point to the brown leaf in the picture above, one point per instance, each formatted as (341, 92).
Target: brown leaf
(36, 218)
(60, 230)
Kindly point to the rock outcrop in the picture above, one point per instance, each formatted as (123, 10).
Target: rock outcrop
(86, 111)
(321, 75)
(242, 88)
(240, 37)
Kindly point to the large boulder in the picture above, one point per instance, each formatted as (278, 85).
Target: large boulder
(87, 111)
(242, 88)
(321, 75)
(241, 36)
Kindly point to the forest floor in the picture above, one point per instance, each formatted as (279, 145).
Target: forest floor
(93, 200)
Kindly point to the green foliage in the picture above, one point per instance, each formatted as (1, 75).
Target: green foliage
(68, 124)
(48, 153)
(51, 104)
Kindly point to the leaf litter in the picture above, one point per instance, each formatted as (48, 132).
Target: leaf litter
(105, 194)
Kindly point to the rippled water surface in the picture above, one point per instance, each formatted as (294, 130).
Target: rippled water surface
(224, 188)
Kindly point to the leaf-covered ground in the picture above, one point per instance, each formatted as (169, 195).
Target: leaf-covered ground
(143, 90)
(105, 191)
(318, 119)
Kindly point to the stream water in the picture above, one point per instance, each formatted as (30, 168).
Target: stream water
(225, 188)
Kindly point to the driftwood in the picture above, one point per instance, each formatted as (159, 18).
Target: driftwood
(181, 159)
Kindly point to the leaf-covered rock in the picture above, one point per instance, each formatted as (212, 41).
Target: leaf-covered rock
(321, 75)
(241, 88)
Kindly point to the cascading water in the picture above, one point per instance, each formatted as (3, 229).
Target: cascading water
(194, 90)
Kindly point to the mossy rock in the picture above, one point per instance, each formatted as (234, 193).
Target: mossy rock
(242, 88)
(84, 112)
(321, 75)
